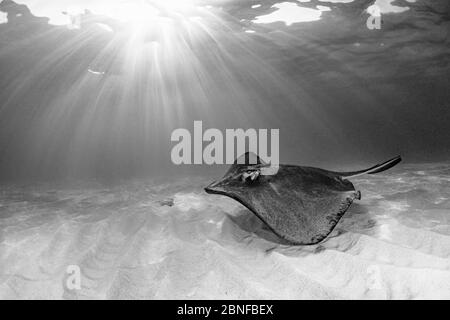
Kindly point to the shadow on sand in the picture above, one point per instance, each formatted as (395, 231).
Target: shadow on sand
(250, 223)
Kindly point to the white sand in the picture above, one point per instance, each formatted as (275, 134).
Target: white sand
(393, 244)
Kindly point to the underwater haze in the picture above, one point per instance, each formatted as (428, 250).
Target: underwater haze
(94, 89)
(91, 91)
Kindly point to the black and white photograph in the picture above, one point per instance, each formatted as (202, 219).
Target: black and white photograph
(224, 150)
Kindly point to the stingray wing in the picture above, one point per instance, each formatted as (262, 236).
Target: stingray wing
(300, 204)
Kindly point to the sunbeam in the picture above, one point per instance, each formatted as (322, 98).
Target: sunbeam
(124, 74)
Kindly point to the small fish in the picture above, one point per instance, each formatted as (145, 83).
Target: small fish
(98, 73)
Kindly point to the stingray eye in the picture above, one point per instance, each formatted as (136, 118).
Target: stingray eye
(250, 175)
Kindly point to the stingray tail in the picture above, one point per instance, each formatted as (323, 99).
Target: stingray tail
(375, 169)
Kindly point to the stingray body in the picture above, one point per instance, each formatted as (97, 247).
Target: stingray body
(300, 204)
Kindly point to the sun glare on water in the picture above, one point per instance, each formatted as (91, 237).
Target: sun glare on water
(135, 12)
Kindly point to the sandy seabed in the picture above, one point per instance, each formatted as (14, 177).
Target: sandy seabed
(131, 244)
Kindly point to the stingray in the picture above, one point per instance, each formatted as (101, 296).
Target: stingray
(302, 205)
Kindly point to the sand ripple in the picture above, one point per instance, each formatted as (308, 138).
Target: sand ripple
(128, 243)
